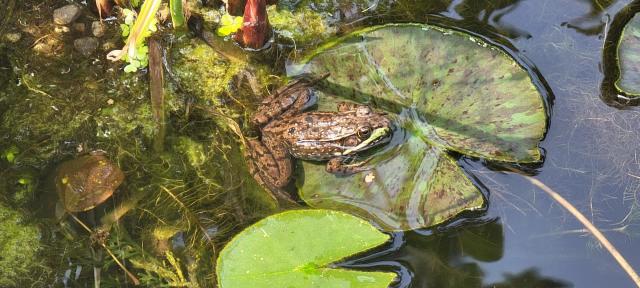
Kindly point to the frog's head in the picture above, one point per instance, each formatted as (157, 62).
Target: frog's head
(371, 129)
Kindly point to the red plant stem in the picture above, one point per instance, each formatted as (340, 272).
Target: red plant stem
(104, 8)
(256, 29)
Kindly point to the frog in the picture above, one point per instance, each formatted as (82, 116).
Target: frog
(288, 131)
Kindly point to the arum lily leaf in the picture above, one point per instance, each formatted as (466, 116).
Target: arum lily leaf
(629, 58)
(448, 92)
(293, 249)
(470, 97)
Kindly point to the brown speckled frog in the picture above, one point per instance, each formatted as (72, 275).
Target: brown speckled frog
(288, 131)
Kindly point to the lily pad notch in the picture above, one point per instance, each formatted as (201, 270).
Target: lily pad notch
(296, 248)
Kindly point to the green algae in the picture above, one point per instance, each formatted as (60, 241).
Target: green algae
(20, 262)
(304, 26)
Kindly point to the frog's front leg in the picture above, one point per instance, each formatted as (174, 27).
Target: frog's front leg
(340, 166)
(271, 166)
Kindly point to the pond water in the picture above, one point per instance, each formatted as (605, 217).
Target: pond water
(525, 239)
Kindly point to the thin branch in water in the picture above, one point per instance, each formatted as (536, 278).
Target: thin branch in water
(156, 89)
(587, 224)
(135, 280)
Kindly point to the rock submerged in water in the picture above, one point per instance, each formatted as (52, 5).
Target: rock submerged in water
(86, 45)
(66, 15)
(98, 29)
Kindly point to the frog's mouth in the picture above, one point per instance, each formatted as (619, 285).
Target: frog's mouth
(378, 136)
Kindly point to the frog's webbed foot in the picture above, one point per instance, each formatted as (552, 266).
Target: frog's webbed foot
(339, 166)
(271, 170)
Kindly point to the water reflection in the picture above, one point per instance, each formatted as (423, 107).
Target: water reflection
(592, 22)
(491, 14)
(452, 258)
(529, 278)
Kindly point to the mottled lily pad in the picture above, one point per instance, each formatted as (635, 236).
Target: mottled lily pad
(629, 58)
(450, 92)
(295, 248)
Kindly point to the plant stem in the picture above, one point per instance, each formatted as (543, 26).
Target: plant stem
(590, 227)
(177, 14)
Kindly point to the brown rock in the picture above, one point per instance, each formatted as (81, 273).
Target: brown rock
(66, 14)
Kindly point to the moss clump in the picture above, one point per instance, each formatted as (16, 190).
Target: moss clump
(202, 72)
(304, 26)
(192, 150)
(20, 244)
(123, 118)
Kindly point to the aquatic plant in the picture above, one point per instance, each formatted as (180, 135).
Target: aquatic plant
(229, 25)
(136, 32)
(255, 30)
(134, 50)
(296, 248)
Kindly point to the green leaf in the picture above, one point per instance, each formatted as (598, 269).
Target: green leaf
(629, 58)
(293, 249)
(229, 25)
(447, 91)
(125, 30)
(130, 68)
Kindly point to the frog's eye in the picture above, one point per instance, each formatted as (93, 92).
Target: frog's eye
(364, 132)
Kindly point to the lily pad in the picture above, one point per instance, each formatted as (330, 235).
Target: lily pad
(629, 58)
(450, 92)
(294, 249)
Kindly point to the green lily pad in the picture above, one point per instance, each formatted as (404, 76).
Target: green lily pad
(629, 58)
(295, 248)
(448, 92)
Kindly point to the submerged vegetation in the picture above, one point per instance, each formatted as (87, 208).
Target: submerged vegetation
(187, 192)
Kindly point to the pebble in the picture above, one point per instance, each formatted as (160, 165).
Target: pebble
(61, 29)
(97, 29)
(86, 45)
(66, 14)
(79, 27)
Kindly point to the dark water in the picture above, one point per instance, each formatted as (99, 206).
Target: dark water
(526, 239)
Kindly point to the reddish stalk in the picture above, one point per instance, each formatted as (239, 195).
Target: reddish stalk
(256, 30)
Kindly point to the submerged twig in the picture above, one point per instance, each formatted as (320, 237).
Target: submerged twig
(131, 276)
(156, 90)
(587, 224)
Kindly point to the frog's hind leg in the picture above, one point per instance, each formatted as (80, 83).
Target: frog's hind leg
(292, 99)
(271, 169)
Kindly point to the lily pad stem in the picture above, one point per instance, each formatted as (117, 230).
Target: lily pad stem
(587, 224)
